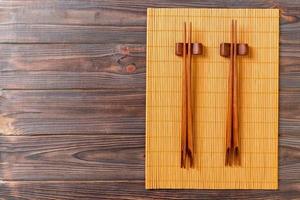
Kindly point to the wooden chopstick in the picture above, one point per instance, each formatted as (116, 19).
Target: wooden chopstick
(229, 106)
(184, 103)
(190, 151)
(235, 146)
(232, 126)
(187, 149)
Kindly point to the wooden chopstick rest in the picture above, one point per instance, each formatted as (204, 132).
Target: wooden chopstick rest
(186, 49)
(196, 49)
(232, 50)
(242, 49)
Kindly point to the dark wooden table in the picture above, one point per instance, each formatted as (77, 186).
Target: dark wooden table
(72, 100)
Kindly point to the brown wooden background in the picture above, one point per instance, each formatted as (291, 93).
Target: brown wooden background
(72, 99)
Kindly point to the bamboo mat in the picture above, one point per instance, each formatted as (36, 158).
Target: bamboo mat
(258, 99)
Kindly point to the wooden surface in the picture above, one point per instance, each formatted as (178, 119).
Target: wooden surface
(72, 100)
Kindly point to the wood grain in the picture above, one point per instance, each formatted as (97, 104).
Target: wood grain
(96, 92)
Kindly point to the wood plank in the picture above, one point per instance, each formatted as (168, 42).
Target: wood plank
(98, 157)
(70, 13)
(47, 112)
(72, 80)
(74, 158)
(110, 66)
(47, 33)
(133, 190)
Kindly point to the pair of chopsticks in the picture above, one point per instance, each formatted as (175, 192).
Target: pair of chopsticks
(232, 129)
(229, 50)
(187, 151)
